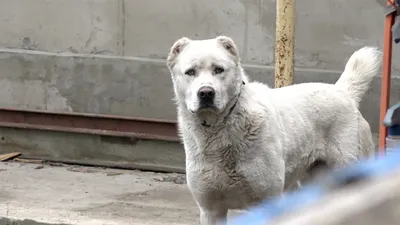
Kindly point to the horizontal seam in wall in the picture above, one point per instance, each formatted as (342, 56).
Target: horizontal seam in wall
(152, 60)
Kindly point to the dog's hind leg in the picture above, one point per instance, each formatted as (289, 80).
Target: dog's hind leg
(315, 169)
(347, 146)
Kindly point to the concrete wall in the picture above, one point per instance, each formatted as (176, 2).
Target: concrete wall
(326, 31)
(94, 149)
(107, 56)
(129, 40)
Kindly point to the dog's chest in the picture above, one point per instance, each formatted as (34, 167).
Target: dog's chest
(227, 183)
(221, 169)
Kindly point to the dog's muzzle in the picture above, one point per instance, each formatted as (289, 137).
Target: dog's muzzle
(206, 97)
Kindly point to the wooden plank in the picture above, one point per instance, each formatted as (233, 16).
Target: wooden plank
(8, 156)
(37, 161)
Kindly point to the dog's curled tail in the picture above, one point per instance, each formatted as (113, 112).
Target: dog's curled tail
(360, 69)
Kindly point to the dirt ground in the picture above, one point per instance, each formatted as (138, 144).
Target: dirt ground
(65, 194)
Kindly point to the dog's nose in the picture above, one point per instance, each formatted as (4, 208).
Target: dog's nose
(206, 94)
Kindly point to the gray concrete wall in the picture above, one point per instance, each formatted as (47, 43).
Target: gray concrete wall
(94, 149)
(129, 40)
(107, 56)
(326, 31)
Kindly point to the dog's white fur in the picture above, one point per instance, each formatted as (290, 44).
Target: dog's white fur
(269, 140)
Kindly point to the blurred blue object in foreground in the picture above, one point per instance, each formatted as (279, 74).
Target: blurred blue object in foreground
(392, 122)
(270, 209)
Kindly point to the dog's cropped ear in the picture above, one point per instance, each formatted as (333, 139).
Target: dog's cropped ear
(176, 49)
(229, 45)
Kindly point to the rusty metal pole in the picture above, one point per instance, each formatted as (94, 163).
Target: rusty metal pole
(284, 46)
(386, 75)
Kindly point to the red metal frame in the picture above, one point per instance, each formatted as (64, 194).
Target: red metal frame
(386, 75)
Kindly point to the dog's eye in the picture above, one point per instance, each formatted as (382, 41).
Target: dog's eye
(218, 70)
(190, 72)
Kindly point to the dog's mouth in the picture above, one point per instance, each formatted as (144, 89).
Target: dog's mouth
(207, 106)
(208, 109)
(204, 109)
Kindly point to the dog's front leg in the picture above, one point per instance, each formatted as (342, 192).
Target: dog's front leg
(213, 217)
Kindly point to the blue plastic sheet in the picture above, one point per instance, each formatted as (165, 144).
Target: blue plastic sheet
(270, 209)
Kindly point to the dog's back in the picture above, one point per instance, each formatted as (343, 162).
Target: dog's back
(336, 132)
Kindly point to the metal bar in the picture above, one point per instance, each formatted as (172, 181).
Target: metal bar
(284, 46)
(386, 75)
(119, 126)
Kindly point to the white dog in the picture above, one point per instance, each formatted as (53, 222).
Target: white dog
(245, 142)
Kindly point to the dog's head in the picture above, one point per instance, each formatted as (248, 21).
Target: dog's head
(206, 73)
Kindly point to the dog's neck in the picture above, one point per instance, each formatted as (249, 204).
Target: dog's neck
(210, 121)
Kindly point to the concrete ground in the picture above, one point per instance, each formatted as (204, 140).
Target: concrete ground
(56, 194)
(64, 194)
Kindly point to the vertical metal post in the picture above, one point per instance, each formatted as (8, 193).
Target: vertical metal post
(284, 46)
(386, 75)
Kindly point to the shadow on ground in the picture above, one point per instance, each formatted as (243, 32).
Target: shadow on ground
(5, 221)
